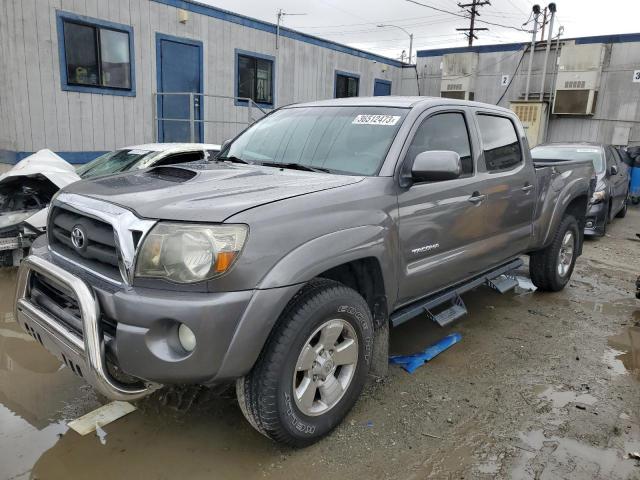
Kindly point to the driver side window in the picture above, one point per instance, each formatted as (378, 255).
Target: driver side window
(444, 131)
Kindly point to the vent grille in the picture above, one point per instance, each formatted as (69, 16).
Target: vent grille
(527, 113)
(575, 84)
(454, 86)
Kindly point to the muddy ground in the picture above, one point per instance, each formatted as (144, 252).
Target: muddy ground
(541, 386)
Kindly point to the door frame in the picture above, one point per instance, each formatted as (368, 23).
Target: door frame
(186, 41)
(383, 82)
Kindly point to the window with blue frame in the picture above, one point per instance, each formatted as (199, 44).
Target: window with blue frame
(347, 85)
(255, 78)
(95, 55)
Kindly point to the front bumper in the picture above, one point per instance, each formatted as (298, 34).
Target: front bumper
(130, 334)
(84, 355)
(596, 219)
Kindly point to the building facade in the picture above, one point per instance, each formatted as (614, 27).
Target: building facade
(592, 84)
(81, 78)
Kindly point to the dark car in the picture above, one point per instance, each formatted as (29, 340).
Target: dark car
(610, 196)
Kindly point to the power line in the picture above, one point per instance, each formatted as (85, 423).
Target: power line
(524, 50)
(519, 29)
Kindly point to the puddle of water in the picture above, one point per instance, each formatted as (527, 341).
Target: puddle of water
(561, 398)
(624, 354)
(555, 457)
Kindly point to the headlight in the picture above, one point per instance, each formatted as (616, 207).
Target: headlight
(188, 253)
(598, 196)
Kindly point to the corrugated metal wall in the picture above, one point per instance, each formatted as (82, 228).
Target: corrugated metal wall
(618, 103)
(37, 113)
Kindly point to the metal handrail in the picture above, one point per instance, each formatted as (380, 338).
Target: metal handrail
(192, 120)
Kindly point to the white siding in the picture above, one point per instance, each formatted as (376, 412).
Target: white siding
(618, 102)
(39, 114)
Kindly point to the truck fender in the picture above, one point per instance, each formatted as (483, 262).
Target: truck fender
(560, 201)
(323, 253)
(280, 285)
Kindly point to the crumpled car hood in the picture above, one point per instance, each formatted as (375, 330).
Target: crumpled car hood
(43, 173)
(45, 163)
(206, 192)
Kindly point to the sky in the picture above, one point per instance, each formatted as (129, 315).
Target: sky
(354, 22)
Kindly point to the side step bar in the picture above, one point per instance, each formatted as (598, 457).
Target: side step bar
(503, 283)
(452, 295)
(449, 315)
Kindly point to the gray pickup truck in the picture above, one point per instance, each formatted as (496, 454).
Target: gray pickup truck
(282, 264)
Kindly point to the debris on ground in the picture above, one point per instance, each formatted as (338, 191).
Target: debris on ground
(100, 417)
(412, 362)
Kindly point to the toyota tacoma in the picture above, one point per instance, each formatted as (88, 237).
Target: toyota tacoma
(282, 264)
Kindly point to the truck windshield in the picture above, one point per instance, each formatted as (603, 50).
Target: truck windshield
(573, 152)
(114, 162)
(343, 140)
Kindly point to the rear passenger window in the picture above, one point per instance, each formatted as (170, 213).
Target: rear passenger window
(500, 143)
(444, 131)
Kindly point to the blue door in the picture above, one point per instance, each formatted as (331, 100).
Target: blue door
(381, 88)
(179, 63)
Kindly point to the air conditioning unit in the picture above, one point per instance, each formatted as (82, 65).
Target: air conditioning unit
(578, 81)
(458, 75)
(533, 116)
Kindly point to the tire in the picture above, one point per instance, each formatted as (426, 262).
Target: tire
(623, 211)
(270, 396)
(545, 265)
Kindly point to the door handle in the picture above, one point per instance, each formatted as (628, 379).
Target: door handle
(527, 188)
(476, 198)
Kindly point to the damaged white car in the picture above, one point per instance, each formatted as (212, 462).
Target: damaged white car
(26, 190)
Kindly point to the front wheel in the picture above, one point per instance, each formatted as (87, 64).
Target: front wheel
(551, 267)
(313, 367)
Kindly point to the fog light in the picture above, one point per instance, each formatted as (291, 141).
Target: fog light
(186, 337)
(589, 224)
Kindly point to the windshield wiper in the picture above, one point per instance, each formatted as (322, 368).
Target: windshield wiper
(231, 159)
(295, 166)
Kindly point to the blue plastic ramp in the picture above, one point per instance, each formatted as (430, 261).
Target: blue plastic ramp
(412, 362)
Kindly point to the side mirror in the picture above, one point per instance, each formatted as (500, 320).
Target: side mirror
(436, 165)
(613, 170)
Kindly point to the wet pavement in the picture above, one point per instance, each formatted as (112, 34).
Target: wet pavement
(541, 386)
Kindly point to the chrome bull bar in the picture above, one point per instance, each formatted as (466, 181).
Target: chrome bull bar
(60, 340)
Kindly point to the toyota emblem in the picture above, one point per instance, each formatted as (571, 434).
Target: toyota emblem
(78, 238)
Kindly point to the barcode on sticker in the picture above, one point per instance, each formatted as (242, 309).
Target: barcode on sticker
(376, 120)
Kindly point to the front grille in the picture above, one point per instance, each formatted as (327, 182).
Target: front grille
(61, 304)
(56, 300)
(98, 247)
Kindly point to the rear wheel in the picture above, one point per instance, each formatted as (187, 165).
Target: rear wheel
(312, 368)
(551, 267)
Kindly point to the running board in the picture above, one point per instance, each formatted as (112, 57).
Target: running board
(452, 313)
(503, 283)
(430, 303)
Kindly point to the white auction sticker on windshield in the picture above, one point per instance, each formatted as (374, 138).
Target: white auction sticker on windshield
(137, 152)
(376, 120)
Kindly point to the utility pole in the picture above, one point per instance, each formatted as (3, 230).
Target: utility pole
(536, 16)
(473, 11)
(544, 22)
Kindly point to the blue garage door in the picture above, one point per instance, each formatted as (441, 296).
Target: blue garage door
(381, 88)
(179, 70)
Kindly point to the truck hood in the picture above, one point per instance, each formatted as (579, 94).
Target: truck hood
(207, 192)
